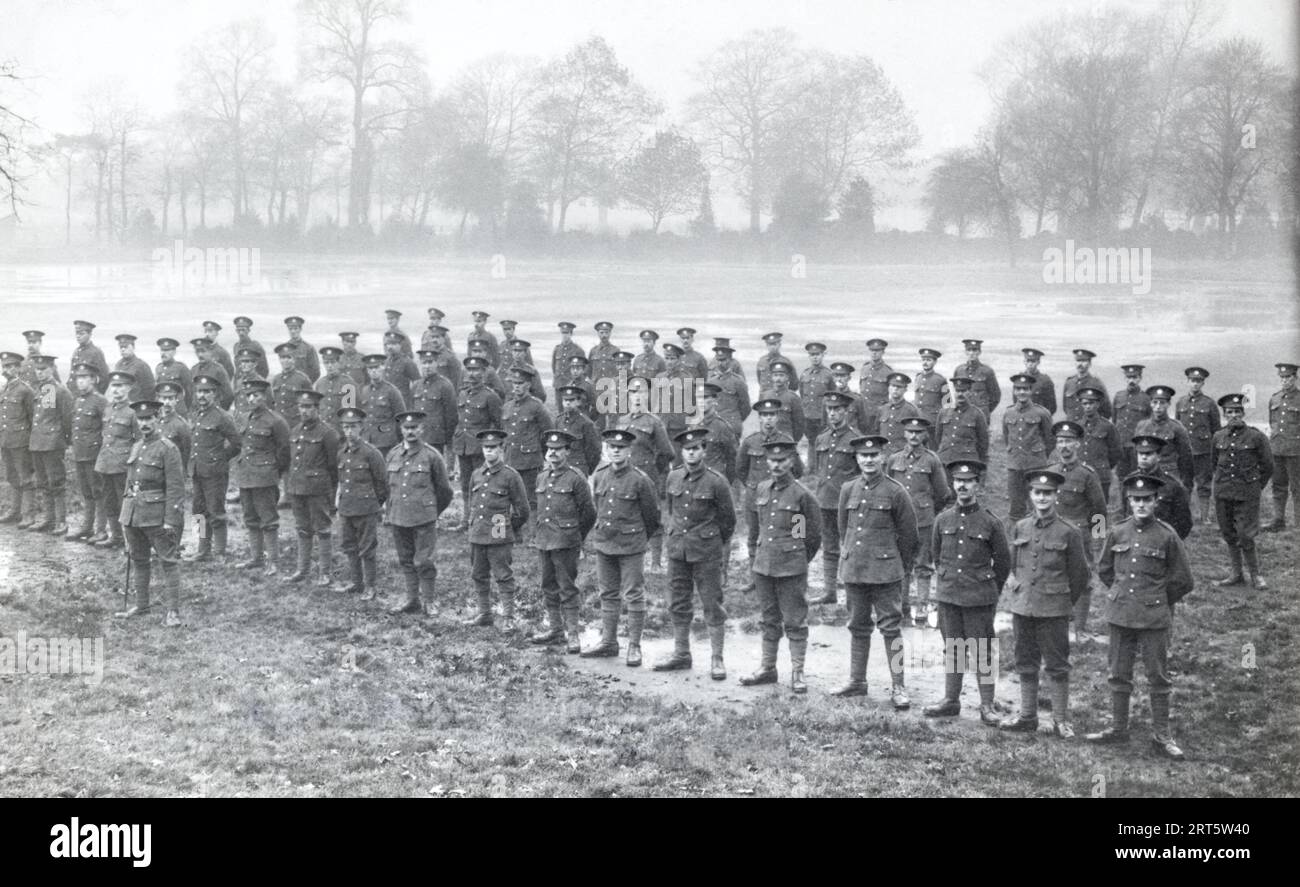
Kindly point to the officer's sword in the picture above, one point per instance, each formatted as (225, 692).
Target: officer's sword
(126, 583)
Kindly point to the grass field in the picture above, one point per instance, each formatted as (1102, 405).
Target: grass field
(272, 689)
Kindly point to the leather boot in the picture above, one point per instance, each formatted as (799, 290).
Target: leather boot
(86, 528)
(766, 673)
(101, 525)
(988, 710)
(573, 632)
(680, 658)
(140, 578)
(1252, 567)
(1162, 740)
(358, 578)
(428, 600)
(410, 602)
(47, 524)
(507, 612)
(32, 506)
(272, 552)
(950, 705)
(749, 585)
(1118, 730)
(1061, 725)
(608, 646)
(219, 541)
(831, 569)
(1027, 720)
(14, 513)
(635, 623)
(256, 555)
(369, 574)
(60, 527)
(304, 560)
(859, 650)
(554, 635)
(205, 551)
(1234, 578)
(114, 538)
(325, 568)
(798, 651)
(717, 637)
(484, 616)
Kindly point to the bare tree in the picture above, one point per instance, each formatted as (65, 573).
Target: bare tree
(12, 148)
(490, 103)
(663, 177)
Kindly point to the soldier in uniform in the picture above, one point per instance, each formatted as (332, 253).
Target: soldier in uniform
(88, 352)
(648, 363)
(393, 317)
(51, 434)
(245, 342)
(171, 424)
(498, 511)
(16, 408)
(479, 348)
(286, 384)
(1284, 439)
(521, 357)
(652, 451)
(984, 390)
(263, 457)
(1173, 504)
(169, 369)
(88, 413)
(313, 480)
(212, 329)
(139, 370)
(525, 421)
(762, 366)
(721, 444)
(790, 535)
(363, 492)
(1176, 457)
(694, 361)
(832, 463)
(813, 383)
(791, 419)
(1079, 500)
(676, 397)
(481, 333)
(152, 513)
(726, 359)
(565, 515)
(873, 377)
(352, 361)
(931, 393)
(1049, 574)
(304, 353)
(28, 372)
(508, 349)
(578, 379)
(478, 409)
(419, 492)
(1145, 567)
(337, 388)
(216, 441)
(433, 395)
(963, 428)
(733, 395)
(973, 559)
(435, 329)
(1243, 465)
(381, 402)
(245, 372)
(1027, 432)
(399, 369)
(1200, 416)
(1132, 405)
(205, 365)
(600, 358)
(627, 515)
(921, 473)
(1044, 391)
(1102, 448)
(701, 519)
(583, 452)
(752, 470)
(895, 412)
(120, 427)
(1082, 378)
(444, 356)
(861, 415)
(562, 358)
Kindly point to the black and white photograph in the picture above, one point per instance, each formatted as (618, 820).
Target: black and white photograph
(579, 399)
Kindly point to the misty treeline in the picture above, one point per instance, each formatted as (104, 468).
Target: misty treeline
(1102, 123)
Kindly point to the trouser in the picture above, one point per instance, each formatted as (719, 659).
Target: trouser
(466, 463)
(883, 601)
(51, 472)
(311, 514)
(488, 563)
(922, 570)
(417, 550)
(1203, 474)
(1045, 641)
(359, 536)
(1124, 646)
(210, 501)
(830, 548)
(89, 484)
(112, 487)
(969, 641)
(704, 576)
(259, 506)
(1238, 521)
(1286, 478)
(1017, 492)
(622, 581)
(751, 531)
(140, 541)
(783, 603)
(18, 467)
(559, 572)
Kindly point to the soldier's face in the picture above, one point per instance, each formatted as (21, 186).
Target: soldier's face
(392, 348)
(779, 379)
(841, 381)
(126, 348)
(1159, 408)
(117, 392)
(392, 321)
(1043, 499)
(779, 466)
(916, 437)
(331, 367)
(721, 357)
(295, 333)
(1090, 406)
(672, 360)
(1134, 383)
(709, 403)
(927, 364)
(491, 453)
(1235, 416)
(10, 370)
(896, 392)
(1068, 447)
(1147, 460)
(577, 370)
(815, 358)
(169, 403)
(427, 366)
(965, 488)
(286, 362)
(877, 354)
(475, 375)
(767, 421)
(636, 400)
(44, 373)
(308, 411)
(1082, 366)
(1143, 506)
(246, 367)
(835, 415)
(1021, 393)
(411, 432)
(972, 356)
(84, 384)
(1196, 384)
(603, 335)
(519, 387)
(242, 329)
(693, 455)
(570, 404)
(352, 432)
(255, 397)
(205, 397)
(1288, 382)
(557, 457)
(618, 454)
(211, 332)
(566, 337)
(349, 346)
(168, 354)
(960, 396)
(33, 346)
(1031, 364)
(774, 347)
(82, 335)
(687, 340)
(869, 463)
(148, 425)
(375, 374)
(648, 346)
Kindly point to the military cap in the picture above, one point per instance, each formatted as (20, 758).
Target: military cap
(960, 382)
(815, 348)
(1196, 373)
(557, 440)
(83, 325)
(624, 357)
(392, 337)
(255, 384)
(648, 334)
(81, 369)
(425, 352)
(1160, 392)
(1139, 484)
(308, 396)
(146, 409)
(572, 391)
(247, 354)
(686, 331)
(723, 349)
(1287, 369)
(846, 369)
(167, 344)
(375, 360)
(1045, 479)
(783, 366)
(349, 336)
(965, 469)
(410, 416)
(125, 337)
(769, 405)
(1232, 400)
(9, 358)
(520, 344)
(721, 342)
(836, 399)
(509, 324)
(43, 360)
(33, 335)
(1032, 353)
(566, 326)
(973, 343)
(772, 337)
(329, 352)
(1022, 380)
(522, 373)
(1148, 443)
(579, 358)
(869, 443)
(1088, 392)
(284, 348)
(480, 315)
(492, 436)
(294, 320)
(618, 437)
(241, 320)
(348, 415)
(211, 325)
(1084, 354)
(121, 377)
(478, 342)
(877, 343)
(1066, 428)
(436, 314)
(475, 363)
(604, 326)
(779, 446)
(691, 436)
(168, 388)
(899, 379)
(673, 350)
(206, 383)
(1132, 369)
(439, 329)
(916, 423)
(638, 383)
(392, 312)
(930, 353)
(712, 389)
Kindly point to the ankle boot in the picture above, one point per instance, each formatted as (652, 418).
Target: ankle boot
(1252, 567)
(1235, 577)
(766, 673)
(859, 650)
(1162, 740)
(256, 555)
(635, 623)
(60, 527)
(1061, 709)
(304, 560)
(369, 573)
(358, 578)
(272, 552)
(1027, 720)
(30, 507)
(325, 566)
(101, 524)
(114, 537)
(86, 528)
(573, 632)
(950, 705)
(798, 651)
(483, 618)
(1118, 730)
(680, 658)
(204, 552)
(608, 646)
(554, 634)
(717, 637)
(219, 541)
(43, 520)
(410, 602)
